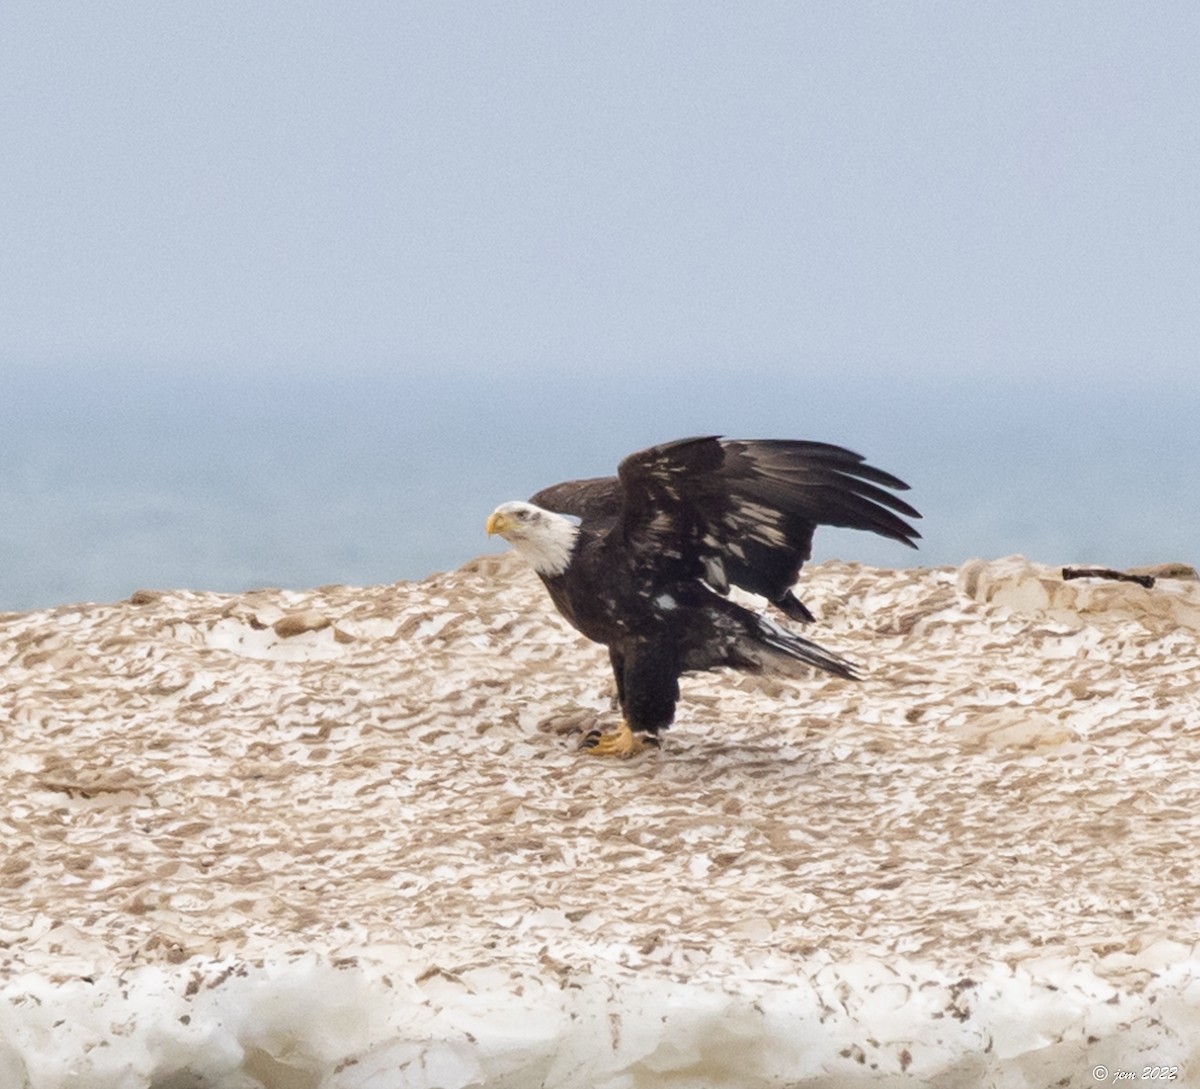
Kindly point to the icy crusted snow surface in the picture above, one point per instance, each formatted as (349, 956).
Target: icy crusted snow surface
(344, 839)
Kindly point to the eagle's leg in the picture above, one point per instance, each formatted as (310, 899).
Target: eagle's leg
(621, 742)
(647, 687)
(618, 668)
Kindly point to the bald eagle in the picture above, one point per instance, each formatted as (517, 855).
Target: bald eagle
(643, 562)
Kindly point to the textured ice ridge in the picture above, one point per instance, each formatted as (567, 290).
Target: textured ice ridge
(344, 839)
(287, 1023)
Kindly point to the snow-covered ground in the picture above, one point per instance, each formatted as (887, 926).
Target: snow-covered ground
(345, 839)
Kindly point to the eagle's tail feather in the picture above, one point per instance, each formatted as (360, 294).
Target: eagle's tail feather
(785, 648)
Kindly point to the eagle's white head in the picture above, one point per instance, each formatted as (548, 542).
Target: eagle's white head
(544, 538)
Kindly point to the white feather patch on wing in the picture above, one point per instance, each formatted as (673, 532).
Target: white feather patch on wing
(762, 523)
(714, 574)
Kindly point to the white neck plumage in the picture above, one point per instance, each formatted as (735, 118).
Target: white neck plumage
(547, 544)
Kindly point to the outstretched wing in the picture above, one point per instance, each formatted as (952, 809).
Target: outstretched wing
(594, 500)
(743, 512)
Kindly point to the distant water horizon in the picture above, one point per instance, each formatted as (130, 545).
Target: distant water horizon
(118, 481)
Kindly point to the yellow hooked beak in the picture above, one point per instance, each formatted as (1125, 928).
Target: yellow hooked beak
(496, 523)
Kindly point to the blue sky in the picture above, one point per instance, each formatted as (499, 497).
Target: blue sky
(953, 187)
(963, 238)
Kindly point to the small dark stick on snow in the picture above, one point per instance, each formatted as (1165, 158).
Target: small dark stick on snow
(1106, 573)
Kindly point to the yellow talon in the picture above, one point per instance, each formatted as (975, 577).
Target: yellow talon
(622, 742)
